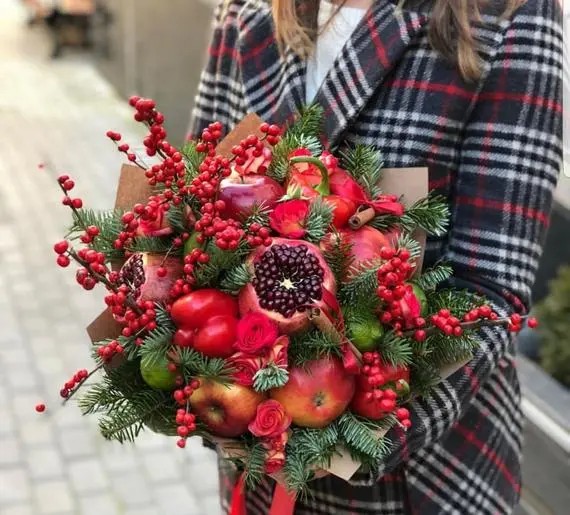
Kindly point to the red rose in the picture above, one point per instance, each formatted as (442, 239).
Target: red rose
(274, 462)
(245, 367)
(271, 421)
(156, 225)
(255, 164)
(278, 353)
(255, 333)
(288, 218)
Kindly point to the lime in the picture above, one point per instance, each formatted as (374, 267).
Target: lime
(366, 334)
(422, 299)
(157, 375)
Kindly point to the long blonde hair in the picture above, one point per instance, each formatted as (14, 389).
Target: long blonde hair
(450, 31)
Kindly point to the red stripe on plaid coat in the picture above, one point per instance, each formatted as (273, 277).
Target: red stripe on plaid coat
(494, 149)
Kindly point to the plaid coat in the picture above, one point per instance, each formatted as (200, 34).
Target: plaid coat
(494, 149)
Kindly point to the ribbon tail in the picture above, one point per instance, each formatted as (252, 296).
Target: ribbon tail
(349, 360)
(237, 504)
(283, 502)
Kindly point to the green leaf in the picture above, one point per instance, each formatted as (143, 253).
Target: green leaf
(312, 345)
(220, 260)
(109, 225)
(269, 377)
(254, 465)
(309, 122)
(362, 285)
(406, 241)
(195, 364)
(154, 245)
(318, 221)
(279, 167)
(193, 159)
(359, 437)
(431, 214)
(177, 217)
(396, 350)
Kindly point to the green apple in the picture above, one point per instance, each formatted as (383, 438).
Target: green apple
(157, 375)
(366, 334)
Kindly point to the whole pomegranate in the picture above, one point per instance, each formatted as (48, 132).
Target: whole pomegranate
(139, 273)
(366, 243)
(289, 276)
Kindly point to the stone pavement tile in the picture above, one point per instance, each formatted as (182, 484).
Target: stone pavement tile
(203, 476)
(37, 434)
(44, 463)
(23, 403)
(11, 453)
(210, 505)
(118, 458)
(19, 379)
(176, 498)
(18, 509)
(101, 504)
(76, 442)
(13, 355)
(148, 511)
(14, 485)
(133, 489)
(161, 466)
(87, 476)
(53, 497)
(7, 425)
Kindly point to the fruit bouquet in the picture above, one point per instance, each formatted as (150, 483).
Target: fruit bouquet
(267, 296)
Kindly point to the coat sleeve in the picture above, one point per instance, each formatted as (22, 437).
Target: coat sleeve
(220, 96)
(510, 159)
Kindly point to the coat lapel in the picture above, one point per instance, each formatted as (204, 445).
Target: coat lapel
(371, 52)
(275, 85)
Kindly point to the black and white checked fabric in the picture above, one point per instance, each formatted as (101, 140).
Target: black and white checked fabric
(493, 148)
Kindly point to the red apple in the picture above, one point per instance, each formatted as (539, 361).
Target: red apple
(242, 193)
(317, 392)
(226, 409)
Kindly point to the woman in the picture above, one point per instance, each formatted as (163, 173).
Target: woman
(472, 89)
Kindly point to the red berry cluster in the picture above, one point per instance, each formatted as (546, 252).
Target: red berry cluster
(272, 134)
(94, 267)
(186, 423)
(447, 323)
(73, 383)
(66, 184)
(109, 350)
(182, 395)
(210, 137)
(137, 316)
(392, 275)
(61, 249)
(380, 389)
(258, 235)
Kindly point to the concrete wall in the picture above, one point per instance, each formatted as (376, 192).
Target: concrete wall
(156, 49)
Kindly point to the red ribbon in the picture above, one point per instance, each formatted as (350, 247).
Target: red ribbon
(283, 503)
(387, 205)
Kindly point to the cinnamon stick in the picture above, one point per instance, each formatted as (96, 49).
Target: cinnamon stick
(363, 215)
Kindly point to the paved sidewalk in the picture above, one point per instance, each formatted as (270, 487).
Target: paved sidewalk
(56, 463)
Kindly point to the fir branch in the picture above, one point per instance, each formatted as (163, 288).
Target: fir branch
(318, 444)
(423, 375)
(365, 164)
(446, 350)
(318, 221)
(195, 364)
(279, 167)
(220, 260)
(155, 346)
(396, 350)
(359, 437)
(430, 213)
(309, 122)
(338, 256)
(155, 245)
(163, 318)
(433, 277)
(177, 217)
(259, 214)
(192, 160)
(109, 224)
(254, 465)
(312, 345)
(458, 302)
(269, 377)
(406, 241)
(235, 279)
(362, 285)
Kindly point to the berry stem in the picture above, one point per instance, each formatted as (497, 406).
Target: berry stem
(80, 384)
(467, 325)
